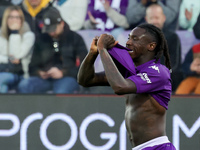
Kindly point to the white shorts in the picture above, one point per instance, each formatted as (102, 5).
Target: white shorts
(153, 142)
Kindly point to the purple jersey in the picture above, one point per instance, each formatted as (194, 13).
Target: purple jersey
(150, 77)
(165, 146)
(97, 10)
(159, 143)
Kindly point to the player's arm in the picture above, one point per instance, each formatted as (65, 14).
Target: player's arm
(86, 75)
(118, 83)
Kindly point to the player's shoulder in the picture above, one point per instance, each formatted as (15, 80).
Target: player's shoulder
(159, 69)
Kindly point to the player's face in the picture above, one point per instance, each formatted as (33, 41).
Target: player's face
(137, 42)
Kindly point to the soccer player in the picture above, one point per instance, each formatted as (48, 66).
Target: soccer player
(136, 72)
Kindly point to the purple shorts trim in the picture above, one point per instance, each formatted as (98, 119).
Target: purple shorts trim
(165, 146)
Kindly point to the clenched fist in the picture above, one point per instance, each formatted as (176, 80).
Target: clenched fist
(106, 41)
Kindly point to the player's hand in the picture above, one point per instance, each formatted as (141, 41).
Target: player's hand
(55, 73)
(106, 41)
(93, 46)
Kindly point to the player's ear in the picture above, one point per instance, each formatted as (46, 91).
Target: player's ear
(152, 46)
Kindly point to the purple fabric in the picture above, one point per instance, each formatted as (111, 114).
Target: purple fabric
(153, 78)
(127, 66)
(100, 14)
(165, 146)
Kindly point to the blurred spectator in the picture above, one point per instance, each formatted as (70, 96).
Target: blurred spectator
(136, 12)
(76, 7)
(191, 70)
(33, 11)
(55, 59)
(196, 28)
(5, 3)
(107, 15)
(155, 16)
(16, 41)
(189, 11)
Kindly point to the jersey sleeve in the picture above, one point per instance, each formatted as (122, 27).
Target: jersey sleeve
(151, 81)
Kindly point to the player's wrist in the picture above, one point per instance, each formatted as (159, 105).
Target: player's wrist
(93, 53)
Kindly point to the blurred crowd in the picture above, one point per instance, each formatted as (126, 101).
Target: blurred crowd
(41, 48)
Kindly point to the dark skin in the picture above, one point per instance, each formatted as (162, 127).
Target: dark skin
(145, 117)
